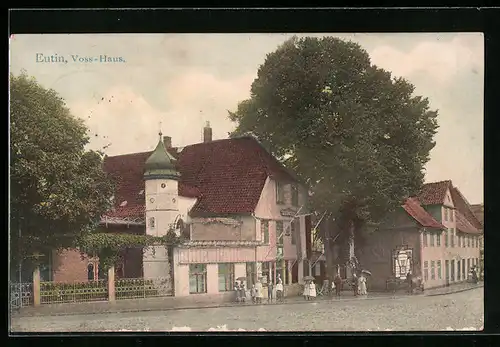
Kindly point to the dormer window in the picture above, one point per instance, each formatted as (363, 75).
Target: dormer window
(295, 195)
(280, 193)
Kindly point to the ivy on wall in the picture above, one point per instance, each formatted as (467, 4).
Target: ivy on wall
(108, 246)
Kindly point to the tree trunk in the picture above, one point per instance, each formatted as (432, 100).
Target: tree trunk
(328, 232)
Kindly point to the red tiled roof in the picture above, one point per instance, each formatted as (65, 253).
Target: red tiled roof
(464, 225)
(433, 193)
(462, 206)
(227, 176)
(413, 208)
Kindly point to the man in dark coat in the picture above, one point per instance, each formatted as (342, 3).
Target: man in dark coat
(409, 279)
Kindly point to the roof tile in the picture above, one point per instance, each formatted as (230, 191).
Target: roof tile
(227, 176)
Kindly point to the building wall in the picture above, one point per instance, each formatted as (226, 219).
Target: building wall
(377, 252)
(219, 231)
(214, 255)
(443, 253)
(68, 266)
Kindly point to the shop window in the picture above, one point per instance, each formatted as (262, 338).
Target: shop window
(197, 278)
(226, 277)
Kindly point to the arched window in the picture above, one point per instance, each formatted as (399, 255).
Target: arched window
(90, 272)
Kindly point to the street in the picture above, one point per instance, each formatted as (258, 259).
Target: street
(457, 311)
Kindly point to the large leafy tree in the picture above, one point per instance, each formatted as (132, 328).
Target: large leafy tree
(356, 135)
(58, 190)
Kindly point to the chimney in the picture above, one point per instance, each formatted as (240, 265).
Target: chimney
(207, 133)
(167, 141)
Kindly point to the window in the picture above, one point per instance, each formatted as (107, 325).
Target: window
(452, 212)
(226, 277)
(458, 270)
(294, 227)
(152, 223)
(447, 269)
(468, 240)
(432, 235)
(426, 270)
(452, 237)
(463, 241)
(463, 270)
(438, 239)
(447, 238)
(459, 240)
(264, 228)
(295, 195)
(280, 193)
(279, 232)
(445, 213)
(197, 278)
(439, 269)
(425, 238)
(468, 265)
(90, 272)
(452, 270)
(433, 270)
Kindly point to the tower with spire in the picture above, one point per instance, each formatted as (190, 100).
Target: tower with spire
(161, 192)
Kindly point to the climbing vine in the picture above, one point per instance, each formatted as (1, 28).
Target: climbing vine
(108, 246)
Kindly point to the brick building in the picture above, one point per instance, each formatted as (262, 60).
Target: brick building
(243, 213)
(435, 236)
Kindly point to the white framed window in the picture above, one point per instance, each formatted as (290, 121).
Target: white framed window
(433, 270)
(197, 278)
(439, 275)
(426, 270)
(264, 229)
(226, 277)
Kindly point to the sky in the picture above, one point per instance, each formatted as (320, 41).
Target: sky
(181, 81)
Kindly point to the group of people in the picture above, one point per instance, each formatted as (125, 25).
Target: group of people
(257, 291)
(359, 284)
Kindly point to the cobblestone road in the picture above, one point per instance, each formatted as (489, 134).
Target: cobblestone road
(463, 310)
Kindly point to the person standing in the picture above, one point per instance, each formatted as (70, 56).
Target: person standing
(355, 284)
(279, 290)
(258, 292)
(409, 279)
(338, 284)
(362, 285)
(270, 290)
(312, 289)
(306, 290)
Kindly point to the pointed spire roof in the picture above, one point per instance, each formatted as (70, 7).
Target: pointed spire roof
(160, 163)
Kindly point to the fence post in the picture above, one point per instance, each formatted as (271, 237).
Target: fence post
(111, 283)
(36, 286)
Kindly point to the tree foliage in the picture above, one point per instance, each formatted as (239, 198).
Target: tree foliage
(356, 135)
(58, 190)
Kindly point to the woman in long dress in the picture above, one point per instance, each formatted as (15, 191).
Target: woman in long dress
(306, 290)
(362, 285)
(258, 292)
(312, 289)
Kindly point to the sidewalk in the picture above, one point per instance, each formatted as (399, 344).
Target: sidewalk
(171, 303)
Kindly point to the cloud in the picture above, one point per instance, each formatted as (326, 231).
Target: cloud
(128, 120)
(440, 60)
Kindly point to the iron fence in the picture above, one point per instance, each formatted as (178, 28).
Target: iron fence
(21, 295)
(53, 292)
(136, 288)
